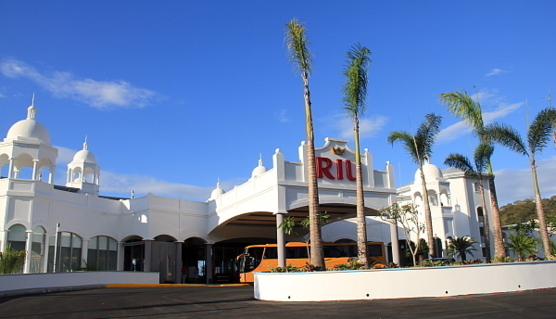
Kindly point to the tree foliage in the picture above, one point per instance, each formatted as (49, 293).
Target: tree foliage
(461, 246)
(11, 261)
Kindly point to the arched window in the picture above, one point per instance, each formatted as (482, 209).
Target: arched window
(481, 219)
(37, 250)
(102, 254)
(68, 254)
(17, 237)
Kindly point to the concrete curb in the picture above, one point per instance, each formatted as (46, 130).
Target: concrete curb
(33, 291)
(170, 285)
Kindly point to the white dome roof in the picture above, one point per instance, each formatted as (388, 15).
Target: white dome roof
(217, 192)
(85, 155)
(258, 170)
(431, 172)
(29, 128)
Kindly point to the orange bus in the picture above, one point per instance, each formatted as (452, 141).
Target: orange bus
(257, 258)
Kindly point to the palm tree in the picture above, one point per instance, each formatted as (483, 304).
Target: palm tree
(300, 56)
(482, 155)
(538, 135)
(461, 246)
(355, 90)
(460, 104)
(522, 244)
(419, 147)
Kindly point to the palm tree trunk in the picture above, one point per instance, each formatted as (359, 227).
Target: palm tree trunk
(317, 255)
(486, 226)
(428, 214)
(361, 220)
(540, 211)
(499, 249)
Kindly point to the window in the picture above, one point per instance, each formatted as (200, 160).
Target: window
(37, 250)
(102, 254)
(17, 237)
(68, 253)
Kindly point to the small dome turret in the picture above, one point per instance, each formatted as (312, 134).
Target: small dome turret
(85, 155)
(29, 128)
(260, 169)
(431, 171)
(217, 192)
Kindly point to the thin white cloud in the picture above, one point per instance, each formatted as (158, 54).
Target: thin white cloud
(503, 110)
(512, 185)
(281, 116)
(486, 98)
(495, 72)
(112, 183)
(65, 156)
(368, 126)
(99, 94)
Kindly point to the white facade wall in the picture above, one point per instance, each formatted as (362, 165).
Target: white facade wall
(279, 189)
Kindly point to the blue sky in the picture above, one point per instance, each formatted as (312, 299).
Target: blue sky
(174, 95)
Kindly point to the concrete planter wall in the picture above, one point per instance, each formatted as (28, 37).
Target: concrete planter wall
(74, 279)
(405, 282)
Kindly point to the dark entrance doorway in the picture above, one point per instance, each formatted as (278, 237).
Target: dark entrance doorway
(226, 266)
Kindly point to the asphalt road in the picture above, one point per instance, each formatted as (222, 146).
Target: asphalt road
(238, 302)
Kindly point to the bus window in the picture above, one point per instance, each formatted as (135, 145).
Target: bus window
(374, 250)
(270, 253)
(296, 252)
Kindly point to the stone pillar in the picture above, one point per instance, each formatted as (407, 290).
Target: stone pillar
(120, 258)
(51, 175)
(35, 176)
(208, 265)
(84, 252)
(11, 168)
(28, 249)
(46, 251)
(147, 259)
(395, 241)
(179, 262)
(281, 244)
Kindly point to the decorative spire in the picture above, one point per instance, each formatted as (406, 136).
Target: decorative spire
(85, 144)
(31, 110)
(260, 159)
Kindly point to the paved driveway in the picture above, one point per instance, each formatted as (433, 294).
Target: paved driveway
(238, 302)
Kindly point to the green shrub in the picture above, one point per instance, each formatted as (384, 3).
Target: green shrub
(288, 268)
(506, 259)
(11, 261)
(352, 265)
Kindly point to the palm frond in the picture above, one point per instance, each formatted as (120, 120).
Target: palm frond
(407, 141)
(459, 161)
(355, 88)
(540, 131)
(296, 39)
(426, 135)
(460, 104)
(507, 136)
(482, 156)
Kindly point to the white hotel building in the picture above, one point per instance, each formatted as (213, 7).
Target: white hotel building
(182, 239)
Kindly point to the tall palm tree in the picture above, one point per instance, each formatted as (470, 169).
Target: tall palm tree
(355, 93)
(460, 104)
(539, 134)
(461, 246)
(482, 155)
(521, 244)
(419, 147)
(301, 57)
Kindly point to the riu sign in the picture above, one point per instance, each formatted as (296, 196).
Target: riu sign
(338, 169)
